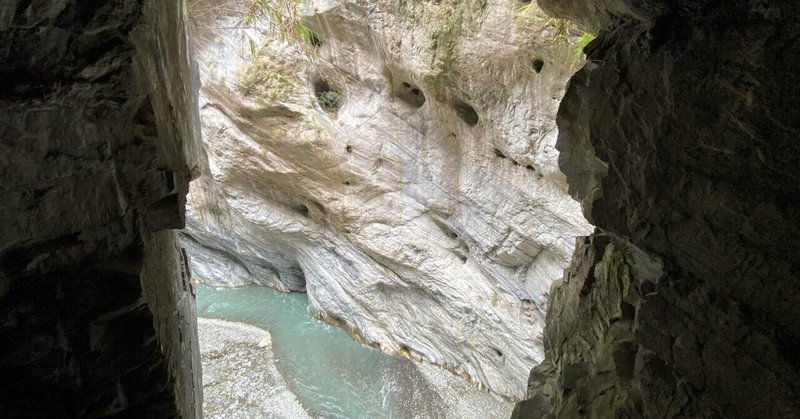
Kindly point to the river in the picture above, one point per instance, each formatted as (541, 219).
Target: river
(296, 367)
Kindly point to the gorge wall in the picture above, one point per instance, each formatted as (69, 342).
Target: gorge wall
(398, 165)
(98, 139)
(679, 137)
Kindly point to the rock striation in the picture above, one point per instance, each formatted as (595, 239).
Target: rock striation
(680, 140)
(399, 166)
(98, 140)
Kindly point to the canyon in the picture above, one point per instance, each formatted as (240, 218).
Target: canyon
(629, 250)
(397, 216)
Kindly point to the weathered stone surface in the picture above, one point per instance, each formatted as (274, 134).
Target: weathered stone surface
(97, 140)
(427, 213)
(241, 378)
(690, 113)
(593, 359)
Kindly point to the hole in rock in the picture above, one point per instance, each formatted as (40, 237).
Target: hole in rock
(310, 37)
(445, 229)
(329, 98)
(319, 208)
(538, 64)
(169, 180)
(293, 278)
(409, 94)
(499, 153)
(302, 209)
(497, 352)
(466, 112)
(348, 149)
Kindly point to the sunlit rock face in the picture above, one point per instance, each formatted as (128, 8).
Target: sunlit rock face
(680, 139)
(425, 210)
(98, 139)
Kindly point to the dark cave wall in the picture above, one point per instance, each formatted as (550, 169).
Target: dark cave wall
(679, 137)
(98, 138)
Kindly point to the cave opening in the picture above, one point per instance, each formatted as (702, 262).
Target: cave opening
(401, 155)
(466, 112)
(328, 97)
(538, 65)
(409, 94)
(445, 253)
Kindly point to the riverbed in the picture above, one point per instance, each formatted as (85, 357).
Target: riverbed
(268, 358)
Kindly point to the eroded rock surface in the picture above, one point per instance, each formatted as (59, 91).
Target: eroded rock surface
(97, 140)
(401, 170)
(240, 377)
(679, 139)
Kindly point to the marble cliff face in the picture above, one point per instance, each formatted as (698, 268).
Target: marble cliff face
(400, 168)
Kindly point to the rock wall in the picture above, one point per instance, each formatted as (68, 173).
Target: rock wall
(399, 166)
(98, 139)
(679, 137)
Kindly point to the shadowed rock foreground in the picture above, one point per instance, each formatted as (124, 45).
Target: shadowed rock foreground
(679, 137)
(98, 140)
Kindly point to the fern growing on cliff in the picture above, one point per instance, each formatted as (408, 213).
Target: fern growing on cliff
(283, 16)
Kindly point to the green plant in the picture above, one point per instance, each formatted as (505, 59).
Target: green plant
(306, 35)
(527, 13)
(564, 33)
(284, 17)
(330, 100)
(584, 40)
(561, 29)
(267, 78)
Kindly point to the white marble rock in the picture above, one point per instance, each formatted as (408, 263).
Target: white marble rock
(427, 232)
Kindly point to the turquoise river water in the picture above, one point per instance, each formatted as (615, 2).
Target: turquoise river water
(335, 377)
